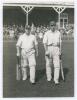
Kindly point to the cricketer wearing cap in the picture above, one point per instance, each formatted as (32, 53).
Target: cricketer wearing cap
(52, 40)
(28, 44)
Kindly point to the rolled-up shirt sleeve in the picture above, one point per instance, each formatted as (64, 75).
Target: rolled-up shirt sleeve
(19, 42)
(45, 40)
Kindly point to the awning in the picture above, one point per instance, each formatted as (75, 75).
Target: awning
(27, 5)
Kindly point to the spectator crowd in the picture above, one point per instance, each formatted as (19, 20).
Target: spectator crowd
(14, 31)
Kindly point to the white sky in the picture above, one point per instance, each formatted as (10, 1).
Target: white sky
(38, 1)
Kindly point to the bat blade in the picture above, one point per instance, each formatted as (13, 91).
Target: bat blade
(62, 73)
(18, 76)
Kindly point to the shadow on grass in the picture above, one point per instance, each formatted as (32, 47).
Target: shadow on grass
(40, 74)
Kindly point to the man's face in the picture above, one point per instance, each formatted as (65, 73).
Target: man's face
(27, 31)
(52, 27)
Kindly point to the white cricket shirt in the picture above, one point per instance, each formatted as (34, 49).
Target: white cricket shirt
(52, 37)
(27, 42)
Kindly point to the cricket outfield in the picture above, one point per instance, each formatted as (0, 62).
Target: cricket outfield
(13, 88)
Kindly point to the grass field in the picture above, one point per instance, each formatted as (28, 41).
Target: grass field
(13, 88)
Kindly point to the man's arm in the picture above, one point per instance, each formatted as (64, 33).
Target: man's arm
(45, 41)
(45, 46)
(46, 50)
(18, 50)
(60, 41)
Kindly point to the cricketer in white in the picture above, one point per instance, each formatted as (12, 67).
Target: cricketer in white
(29, 47)
(52, 40)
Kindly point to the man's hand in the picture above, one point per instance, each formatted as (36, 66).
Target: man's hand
(47, 53)
(56, 44)
(18, 54)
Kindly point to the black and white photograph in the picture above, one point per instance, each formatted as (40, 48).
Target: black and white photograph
(38, 48)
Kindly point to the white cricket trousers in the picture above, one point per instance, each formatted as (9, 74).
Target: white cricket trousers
(53, 59)
(28, 60)
(32, 73)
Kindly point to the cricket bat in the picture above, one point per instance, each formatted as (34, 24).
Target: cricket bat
(18, 69)
(61, 67)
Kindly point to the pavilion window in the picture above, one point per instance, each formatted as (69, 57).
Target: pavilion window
(63, 20)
